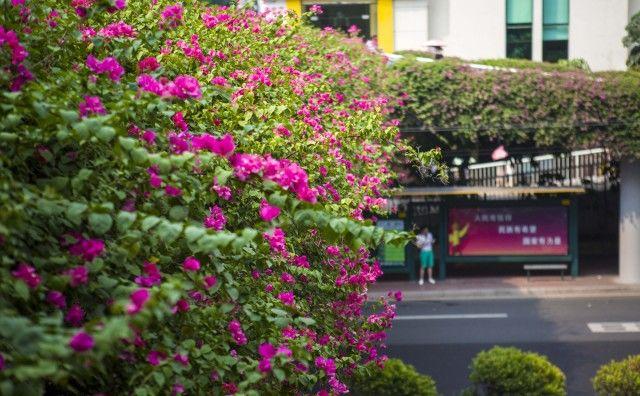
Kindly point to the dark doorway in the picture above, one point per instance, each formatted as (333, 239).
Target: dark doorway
(343, 16)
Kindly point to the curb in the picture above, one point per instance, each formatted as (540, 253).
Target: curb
(515, 293)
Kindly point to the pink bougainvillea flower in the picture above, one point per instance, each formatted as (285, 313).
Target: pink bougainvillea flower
(216, 218)
(172, 191)
(184, 87)
(91, 105)
(138, 298)
(287, 278)
(120, 4)
(117, 29)
(223, 192)
(152, 275)
(75, 316)
(264, 365)
(52, 18)
(149, 137)
(333, 250)
(316, 9)
(2, 364)
(172, 16)
(276, 240)
(210, 281)
(266, 350)
(281, 130)
(326, 364)
(155, 357)
(87, 249)
(191, 264)
(109, 66)
(179, 122)
(223, 147)
(149, 63)
(287, 298)
(56, 299)
(148, 83)
(221, 81)
(182, 306)
(212, 20)
(301, 261)
(182, 359)
(154, 179)
(78, 276)
(268, 212)
(27, 274)
(398, 295)
(235, 328)
(177, 389)
(284, 351)
(81, 342)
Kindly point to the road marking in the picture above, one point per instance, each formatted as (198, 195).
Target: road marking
(614, 327)
(454, 316)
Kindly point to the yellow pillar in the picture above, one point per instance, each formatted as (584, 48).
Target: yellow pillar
(385, 25)
(295, 5)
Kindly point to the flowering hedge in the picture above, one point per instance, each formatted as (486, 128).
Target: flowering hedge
(548, 108)
(183, 192)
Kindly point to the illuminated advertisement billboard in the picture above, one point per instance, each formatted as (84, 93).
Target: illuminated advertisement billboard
(509, 231)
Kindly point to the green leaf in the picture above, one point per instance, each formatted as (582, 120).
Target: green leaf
(100, 223)
(279, 374)
(127, 143)
(233, 293)
(149, 222)
(159, 378)
(193, 233)
(69, 115)
(78, 181)
(22, 291)
(74, 212)
(178, 213)
(282, 321)
(307, 321)
(106, 133)
(279, 312)
(169, 231)
(124, 220)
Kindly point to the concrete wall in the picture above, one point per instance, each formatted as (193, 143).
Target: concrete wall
(411, 24)
(596, 29)
(438, 12)
(473, 29)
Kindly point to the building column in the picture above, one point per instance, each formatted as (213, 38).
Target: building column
(295, 5)
(385, 25)
(536, 31)
(630, 221)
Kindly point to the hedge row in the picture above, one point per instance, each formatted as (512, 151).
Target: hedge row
(462, 105)
(183, 193)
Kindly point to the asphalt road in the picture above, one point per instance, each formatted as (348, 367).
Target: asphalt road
(441, 337)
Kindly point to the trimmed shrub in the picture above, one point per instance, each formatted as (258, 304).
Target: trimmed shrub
(618, 378)
(395, 379)
(183, 192)
(510, 371)
(463, 106)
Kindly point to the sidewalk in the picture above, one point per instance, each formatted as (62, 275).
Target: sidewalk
(508, 287)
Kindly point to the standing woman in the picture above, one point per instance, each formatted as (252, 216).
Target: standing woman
(424, 242)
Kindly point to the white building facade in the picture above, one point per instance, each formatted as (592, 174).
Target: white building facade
(539, 30)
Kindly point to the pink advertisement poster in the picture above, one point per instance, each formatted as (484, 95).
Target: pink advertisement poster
(502, 231)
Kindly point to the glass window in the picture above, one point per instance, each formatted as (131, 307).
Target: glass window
(555, 30)
(519, 23)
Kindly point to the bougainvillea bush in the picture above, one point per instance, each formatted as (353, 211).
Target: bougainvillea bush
(570, 108)
(183, 197)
